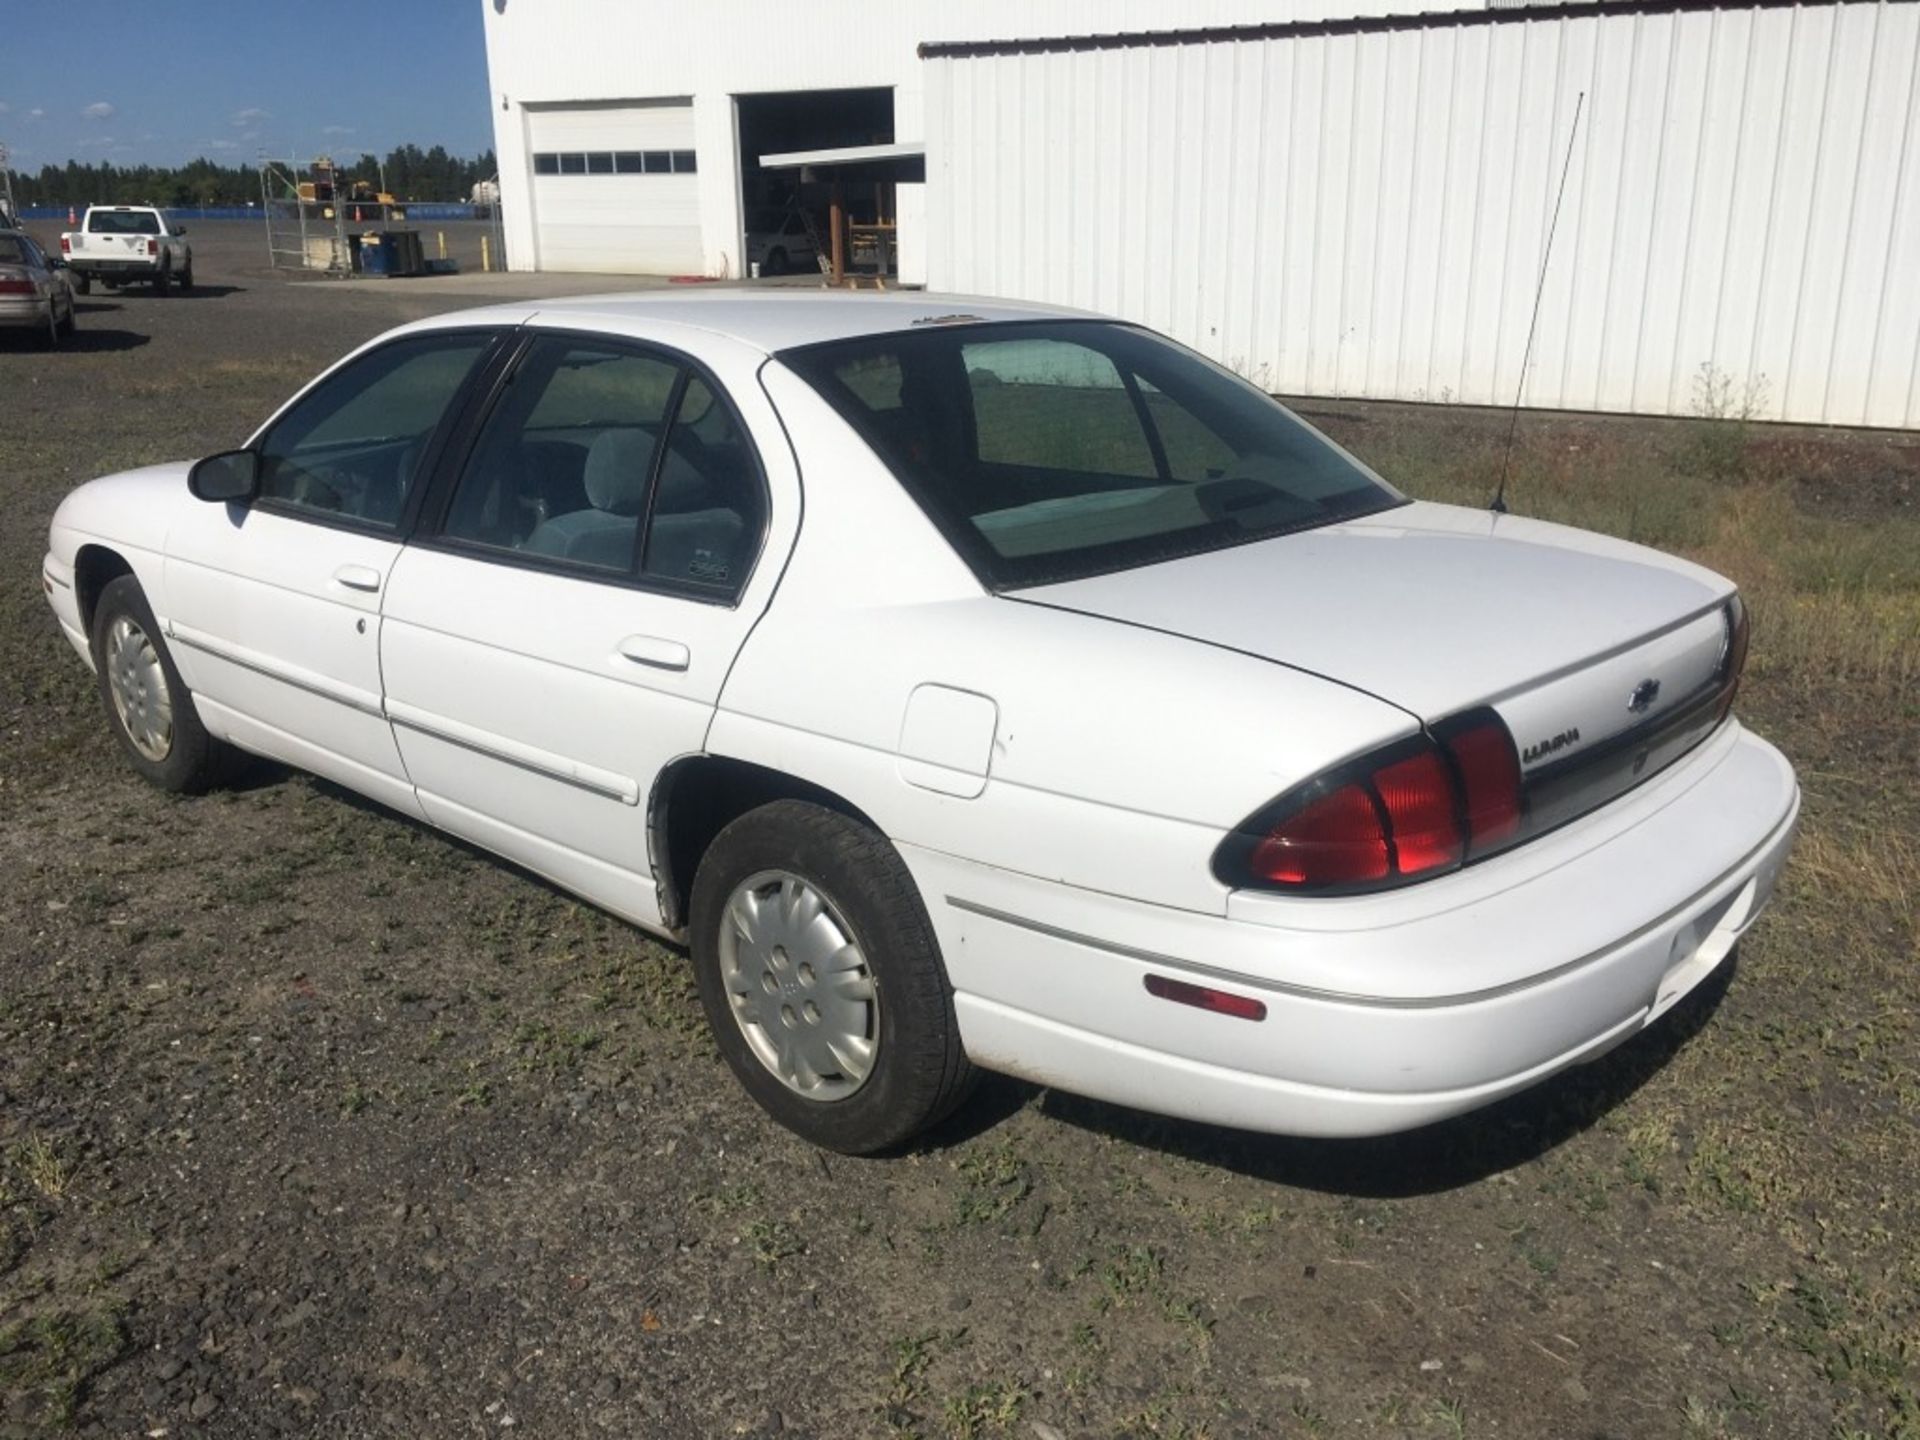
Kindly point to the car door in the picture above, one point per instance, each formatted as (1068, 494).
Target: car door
(562, 626)
(273, 608)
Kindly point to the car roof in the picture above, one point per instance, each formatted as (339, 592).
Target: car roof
(765, 320)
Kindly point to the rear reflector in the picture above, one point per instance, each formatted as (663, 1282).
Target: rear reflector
(1220, 1002)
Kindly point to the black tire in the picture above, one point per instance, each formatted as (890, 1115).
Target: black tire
(919, 1072)
(776, 261)
(186, 278)
(83, 282)
(194, 761)
(71, 320)
(49, 338)
(163, 281)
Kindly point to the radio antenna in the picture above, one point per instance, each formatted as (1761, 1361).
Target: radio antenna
(1499, 505)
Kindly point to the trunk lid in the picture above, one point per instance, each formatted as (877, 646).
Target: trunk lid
(1572, 637)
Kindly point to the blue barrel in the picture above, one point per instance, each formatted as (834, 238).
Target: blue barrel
(376, 254)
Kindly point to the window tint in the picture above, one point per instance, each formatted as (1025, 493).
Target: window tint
(562, 465)
(1047, 451)
(1052, 404)
(13, 250)
(546, 164)
(352, 446)
(710, 507)
(573, 164)
(627, 162)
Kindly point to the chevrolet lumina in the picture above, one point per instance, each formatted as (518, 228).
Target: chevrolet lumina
(965, 685)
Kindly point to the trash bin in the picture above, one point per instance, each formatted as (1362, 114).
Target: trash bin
(409, 257)
(376, 254)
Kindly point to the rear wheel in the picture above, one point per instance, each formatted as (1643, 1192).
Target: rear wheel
(147, 704)
(186, 277)
(50, 337)
(163, 281)
(822, 981)
(70, 321)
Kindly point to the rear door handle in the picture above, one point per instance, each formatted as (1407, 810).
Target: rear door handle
(358, 577)
(651, 650)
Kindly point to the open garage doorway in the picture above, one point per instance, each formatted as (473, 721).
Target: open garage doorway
(785, 217)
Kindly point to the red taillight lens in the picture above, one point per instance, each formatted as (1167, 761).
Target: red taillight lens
(153, 247)
(1418, 808)
(16, 287)
(1482, 752)
(1335, 840)
(66, 245)
(1421, 805)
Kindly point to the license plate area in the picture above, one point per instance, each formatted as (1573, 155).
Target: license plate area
(1700, 946)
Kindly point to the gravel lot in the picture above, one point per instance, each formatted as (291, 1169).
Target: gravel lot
(314, 1122)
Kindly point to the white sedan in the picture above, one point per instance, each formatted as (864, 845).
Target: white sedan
(965, 684)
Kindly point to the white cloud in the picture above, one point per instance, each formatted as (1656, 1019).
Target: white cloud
(245, 119)
(98, 110)
(35, 113)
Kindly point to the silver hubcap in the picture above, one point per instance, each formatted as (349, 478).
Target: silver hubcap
(139, 689)
(801, 990)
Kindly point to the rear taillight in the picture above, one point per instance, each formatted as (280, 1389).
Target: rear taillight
(1734, 661)
(1419, 808)
(153, 247)
(66, 245)
(17, 287)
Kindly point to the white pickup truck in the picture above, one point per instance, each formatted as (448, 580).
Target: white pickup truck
(128, 245)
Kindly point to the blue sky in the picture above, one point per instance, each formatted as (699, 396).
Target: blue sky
(229, 78)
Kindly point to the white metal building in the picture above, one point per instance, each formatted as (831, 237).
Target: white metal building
(1335, 198)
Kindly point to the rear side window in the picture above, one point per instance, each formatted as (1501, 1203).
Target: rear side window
(1050, 451)
(614, 462)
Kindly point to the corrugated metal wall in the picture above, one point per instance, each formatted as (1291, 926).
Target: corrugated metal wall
(1365, 214)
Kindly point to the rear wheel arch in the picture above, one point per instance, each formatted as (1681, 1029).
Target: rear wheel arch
(698, 796)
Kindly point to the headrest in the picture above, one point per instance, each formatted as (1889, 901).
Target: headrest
(616, 473)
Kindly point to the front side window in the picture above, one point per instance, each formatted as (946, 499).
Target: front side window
(351, 447)
(1050, 451)
(571, 469)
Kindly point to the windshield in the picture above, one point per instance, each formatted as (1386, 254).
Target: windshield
(1053, 450)
(123, 222)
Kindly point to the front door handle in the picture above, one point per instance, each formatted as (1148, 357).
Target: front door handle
(659, 654)
(358, 577)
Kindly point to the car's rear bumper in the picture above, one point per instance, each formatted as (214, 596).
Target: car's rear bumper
(133, 267)
(1382, 1013)
(25, 313)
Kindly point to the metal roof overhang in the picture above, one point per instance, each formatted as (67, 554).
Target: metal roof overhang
(902, 160)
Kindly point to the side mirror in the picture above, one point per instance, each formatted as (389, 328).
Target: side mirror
(233, 476)
(179, 229)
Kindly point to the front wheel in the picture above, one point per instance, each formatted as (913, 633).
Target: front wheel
(147, 704)
(822, 980)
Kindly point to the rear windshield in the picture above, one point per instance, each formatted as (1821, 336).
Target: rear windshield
(123, 222)
(1055, 450)
(12, 252)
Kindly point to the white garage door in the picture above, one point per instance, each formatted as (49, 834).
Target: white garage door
(614, 188)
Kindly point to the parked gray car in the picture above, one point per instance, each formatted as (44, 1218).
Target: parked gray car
(36, 293)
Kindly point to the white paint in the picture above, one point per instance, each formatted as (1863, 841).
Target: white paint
(1365, 214)
(570, 52)
(1134, 719)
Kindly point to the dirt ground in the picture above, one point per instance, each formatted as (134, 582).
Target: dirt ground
(315, 1122)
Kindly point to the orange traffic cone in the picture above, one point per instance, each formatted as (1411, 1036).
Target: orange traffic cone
(356, 214)
(73, 217)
